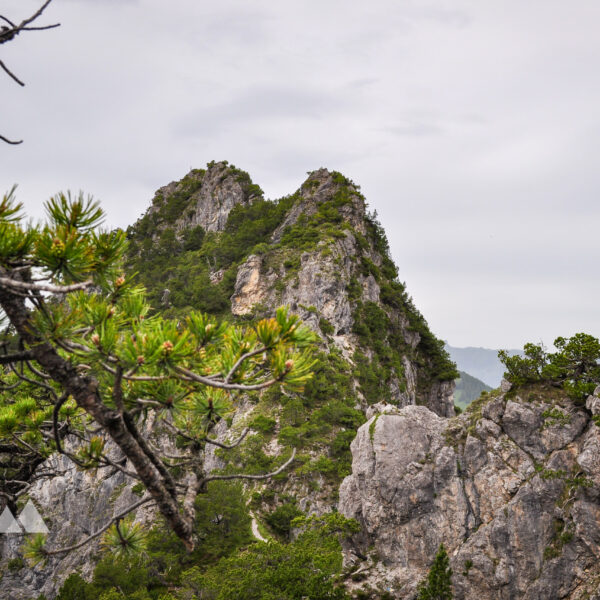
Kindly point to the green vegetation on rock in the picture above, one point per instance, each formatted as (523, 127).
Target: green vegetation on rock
(575, 366)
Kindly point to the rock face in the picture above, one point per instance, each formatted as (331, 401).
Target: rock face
(73, 505)
(511, 488)
(204, 197)
(319, 287)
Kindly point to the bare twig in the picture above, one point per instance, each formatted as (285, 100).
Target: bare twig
(9, 33)
(55, 413)
(13, 76)
(118, 467)
(282, 468)
(36, 371)
(5, 139)
(6, 20)
(208, 440)
(40, 384)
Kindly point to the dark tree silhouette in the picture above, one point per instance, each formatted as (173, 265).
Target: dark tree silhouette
(9, 30)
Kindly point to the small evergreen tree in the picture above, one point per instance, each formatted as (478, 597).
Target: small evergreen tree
(575, 365)
(438, 583)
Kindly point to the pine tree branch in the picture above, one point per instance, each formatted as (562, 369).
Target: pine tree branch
(226, 386)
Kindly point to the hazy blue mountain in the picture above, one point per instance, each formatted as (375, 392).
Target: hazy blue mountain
(481, 363)
(467, 389)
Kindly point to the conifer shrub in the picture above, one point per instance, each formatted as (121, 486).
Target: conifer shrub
(575, 366)
(280, 520)
(438, 583)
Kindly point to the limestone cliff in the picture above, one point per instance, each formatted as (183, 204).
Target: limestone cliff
(512, 489)
(204, 197)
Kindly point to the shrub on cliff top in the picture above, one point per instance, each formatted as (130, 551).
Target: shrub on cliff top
(575, 366)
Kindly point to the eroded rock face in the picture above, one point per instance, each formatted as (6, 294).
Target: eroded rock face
(513, 492)
(319, 285)
(211, 194)
(211, 204)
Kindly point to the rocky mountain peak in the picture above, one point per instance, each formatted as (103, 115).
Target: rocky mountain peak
(321, 187)
(203, 198)
(215, 243)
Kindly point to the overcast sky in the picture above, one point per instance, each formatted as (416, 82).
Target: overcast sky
(472, 126)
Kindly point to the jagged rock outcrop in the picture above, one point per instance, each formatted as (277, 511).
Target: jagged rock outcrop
(512, 489)
(204, 197)
(319, 288)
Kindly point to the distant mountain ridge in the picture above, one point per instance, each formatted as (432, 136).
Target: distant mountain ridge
(481, 363)
(468, 388)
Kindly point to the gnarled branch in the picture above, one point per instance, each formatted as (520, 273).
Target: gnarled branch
(44, 287)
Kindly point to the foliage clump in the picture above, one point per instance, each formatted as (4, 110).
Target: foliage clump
(575, 366)
(101, 362)
(227, 564)
(438, 583)
(280, 520)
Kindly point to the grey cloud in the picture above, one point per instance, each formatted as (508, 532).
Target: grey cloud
(415, 128)
(265, 104)
(471, 127)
